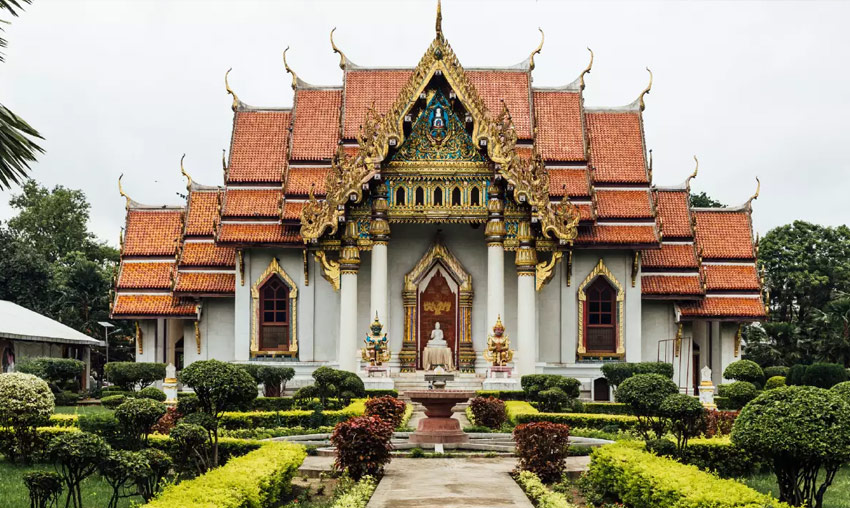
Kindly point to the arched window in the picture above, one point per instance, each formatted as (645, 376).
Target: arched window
(399, 197)
(475, 197)
(600, 317)
(456, 196)
(438, 197)
(274, 315)
(420, 197)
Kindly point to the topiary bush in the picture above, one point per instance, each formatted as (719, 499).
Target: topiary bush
(105, 425)
(644, 394)
(843, 390)
(76, 456)
(795, 375)
(489, 412)
(274, 380)
(389, 409)
(661, 368)
(187, 403)
(113, 401)
(25, 403)
(44, 488)
(128, 375)
(541, 447)
(363, 445)
(617, 372)
(61, 373)
(745, 370)
(777, 370)
(155, 465)
(739, 393)
(119, 468)
(824, 375)
(718, 423)
(800, 430)
(137, 417)
(685, 415)
(191, 443)
(551, 392)
(152, 393)
(774, 382)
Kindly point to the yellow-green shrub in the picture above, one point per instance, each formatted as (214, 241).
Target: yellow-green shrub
(63, 420)
(539, 494)
(590, 421)
(640, 479)
(233, 420)
(256, 480)
(514, 408)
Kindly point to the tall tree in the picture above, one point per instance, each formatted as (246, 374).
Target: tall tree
(703, 200)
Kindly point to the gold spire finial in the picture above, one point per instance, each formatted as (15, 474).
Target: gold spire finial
(756, 195)
(694, 174)
(536, 51)
(230, 91)
(646, 90)
(121, 191)
(586, 71)
(286, 66)
(439, 18)
(342, 57)
(183, 170)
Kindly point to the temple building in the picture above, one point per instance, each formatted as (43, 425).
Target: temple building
(440, 194)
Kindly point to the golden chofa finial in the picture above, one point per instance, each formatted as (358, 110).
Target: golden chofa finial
(224, 160)
(342, 57)
(230, 91)
(286, 66)
(439, 25)
(586, 71)
(694, 174)
(536, 51)
(121, 191)
(183, 171)
(756, 195)
(646, 90)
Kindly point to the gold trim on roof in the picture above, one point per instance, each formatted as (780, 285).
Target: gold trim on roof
(342, 58)
(330, 268)
(183, 171)
(586, 71)
(124, 194)
(235, 104)
(536, 51)
(545, 270)
(645, 91)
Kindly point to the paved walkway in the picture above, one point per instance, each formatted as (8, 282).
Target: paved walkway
(448, 483)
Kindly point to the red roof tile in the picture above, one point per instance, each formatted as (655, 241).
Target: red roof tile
(672, 285)
(560, 135)
(258, 151)
(724, 235)
(673, 209)
(152, 232)
(621, 235)
(315, 128)
(292, 210)
(258, 233)
(585, 211)
(364, 87)
(207, 254)
(202, 213)
(152, 306)
(205, 282)
(252, 202)
(573, 181)
(155, 275)
(300, 180)
(616, 147)
(513, 87)
(623, 204)
(731, 277)
(670, 256)
(720, 307)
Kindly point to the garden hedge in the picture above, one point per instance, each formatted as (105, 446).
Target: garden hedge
(258, 480)
(582, 420)
(272, 404)
(642, 480)
(502, 394)
(233, 420)
(539, 494)
(381, 393)
(719, 455)
(607, 408)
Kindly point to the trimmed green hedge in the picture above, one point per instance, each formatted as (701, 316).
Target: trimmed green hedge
(586, 420)
(257, 480)
(502, 394)
(63, 420)
(540, 495)
(514, 408)
(272, 404)
(638, 478)
(371, 394)
(607, 408)
(719, 455)
(234, 420)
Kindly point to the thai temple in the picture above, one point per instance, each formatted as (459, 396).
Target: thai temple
(440, 216)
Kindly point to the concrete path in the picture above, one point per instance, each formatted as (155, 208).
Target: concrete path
(448, 483)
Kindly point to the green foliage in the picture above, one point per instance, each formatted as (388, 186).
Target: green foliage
(66, 398)
(272, 403)
(502, 394)
(119, 468)
(138, 416)
(113, 401)
(332, 384)
(703, 200)
(273, 378)
(357, 495)
(623, 472)
(795, 375)
(843, 390)
(154, 467)
(105, 425)
(661, 368)
(617, 372)
(745, 370)
(685, 415)
(550, 391)
(363, 445)
(824, 375)
(489, 412)
(389, 409)
(607, 408)
(719, 455)
(62, 372)
(644, 394)
(191, 443)
(541, 447)
(44, 488)
(774, 382)
(76, 456)
(130, 374)
(739, 393)
(773, 371)
(234, 420)
(152, 393)
(591, 421)
(799, 430)
(381, 393)
(187, 403)
(25, 403)
(541, 496)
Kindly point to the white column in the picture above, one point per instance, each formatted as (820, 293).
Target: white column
(379, 294)
(495, 284)
(526, 356)
(348, 321)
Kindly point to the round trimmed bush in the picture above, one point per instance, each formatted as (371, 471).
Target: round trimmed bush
(662, 447)
(138, 416)
(152, 393)
(739, 393)
(745, 370)
(113, 401)
(25, 403)
(685, 414)
(774, 382)
(363, 445)
(661, 368)
(44, 488)
(824, 375)
(541, 448)
(76, 456)
(387, 408)
(644, 394)
(777, 370)
(617, 372)
(489, 412)
(843, 390)
(795, 375)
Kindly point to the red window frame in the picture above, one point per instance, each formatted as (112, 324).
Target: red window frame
(274, 311)
(600, 313)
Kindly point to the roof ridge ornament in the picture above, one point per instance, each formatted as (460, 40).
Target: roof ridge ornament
(439, 24)
(124, 194)
(586, 71)
(756, 195)
(236, 100)
(536, 51)
(343, 60)
(693, 175)
(290, 71)
(645, 91)
(183, 171)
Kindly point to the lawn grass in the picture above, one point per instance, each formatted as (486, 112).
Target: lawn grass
(81, 410)
(837, 496)
(14, 494)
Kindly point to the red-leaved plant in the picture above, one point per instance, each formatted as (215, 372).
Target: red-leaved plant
(386, 408)
(489, 412)
(541, 448)
(168, 421)
(718, 422)
(363, 445)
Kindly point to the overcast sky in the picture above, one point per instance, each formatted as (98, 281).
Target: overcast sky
(754, 89)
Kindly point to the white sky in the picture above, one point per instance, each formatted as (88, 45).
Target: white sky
(754, 89)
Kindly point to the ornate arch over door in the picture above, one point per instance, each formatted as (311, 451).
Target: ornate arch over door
(430, 270)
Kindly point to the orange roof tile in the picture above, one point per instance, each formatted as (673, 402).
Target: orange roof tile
(616, 147)
(513, 87)
(315, 128)
(292, 210)
(720, 307)
(585, 211)
(154, 275)
(670, 256)
(258, 233)
(623, 204)
(365, 87)
(202, 213)
(152, 306)
(152, 232)
(724, 235)
(207, 254)
(560, 135)
(205, 282)
(252, 202)
(258, 150)
(731, 277)
(670, 285)
(674, 210)
(621, 235)
(573, 181)
(300, 180)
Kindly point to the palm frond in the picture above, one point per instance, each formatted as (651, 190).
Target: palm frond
(11, 5)
(17, 150)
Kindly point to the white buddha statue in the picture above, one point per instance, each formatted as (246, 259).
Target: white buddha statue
(436, 337)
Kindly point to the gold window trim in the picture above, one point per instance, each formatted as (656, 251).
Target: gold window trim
(601, 270)
(274, 268)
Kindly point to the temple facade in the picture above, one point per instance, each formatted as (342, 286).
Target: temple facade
(440, 194)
